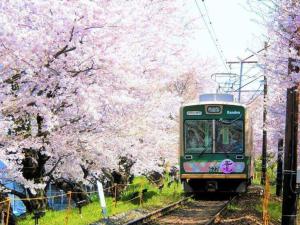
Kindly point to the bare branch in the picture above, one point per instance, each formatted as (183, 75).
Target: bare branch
(72, 34)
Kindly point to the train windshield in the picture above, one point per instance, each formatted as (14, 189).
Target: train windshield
(229, 136)
(198, 136)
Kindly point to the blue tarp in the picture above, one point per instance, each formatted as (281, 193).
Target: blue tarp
(17, 205)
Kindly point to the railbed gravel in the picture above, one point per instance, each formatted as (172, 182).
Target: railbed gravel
(124, 218)
(193, 212)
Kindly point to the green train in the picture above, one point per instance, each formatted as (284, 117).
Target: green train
(215, 145)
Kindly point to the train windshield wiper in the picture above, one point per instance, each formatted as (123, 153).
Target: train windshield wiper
(227, 122)
(204, 150)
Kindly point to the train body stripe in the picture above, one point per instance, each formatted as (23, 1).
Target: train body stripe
(213, 176)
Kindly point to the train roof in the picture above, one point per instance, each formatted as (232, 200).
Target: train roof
(215, 103)
(216, 99)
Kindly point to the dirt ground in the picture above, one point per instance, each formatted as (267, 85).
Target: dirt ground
(243, 211)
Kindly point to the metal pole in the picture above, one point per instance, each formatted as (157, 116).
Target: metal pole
(279, 177)
(264, 145)
(240, 82)
(36, 220)
(289, 200)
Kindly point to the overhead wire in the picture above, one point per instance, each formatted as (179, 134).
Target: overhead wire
(253, 97)
(229, 85)
(230, 81)
(212, 36)
(251, 68)
(215, 35)
(210, 23)
(249, 82)
(248, 77)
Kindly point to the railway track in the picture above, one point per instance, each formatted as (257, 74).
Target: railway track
(188, 211)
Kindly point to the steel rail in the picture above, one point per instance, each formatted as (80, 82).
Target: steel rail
(161, 212)
(158, 213)
(219, 213)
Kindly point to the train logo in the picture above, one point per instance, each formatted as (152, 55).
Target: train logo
(227, 166)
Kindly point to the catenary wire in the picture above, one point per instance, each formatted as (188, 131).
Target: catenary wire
(212, 28)
(212, 37)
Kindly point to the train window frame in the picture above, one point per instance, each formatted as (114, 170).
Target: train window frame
(214, 145)
(242, 133)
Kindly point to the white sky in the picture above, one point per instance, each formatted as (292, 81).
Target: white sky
(236, 27)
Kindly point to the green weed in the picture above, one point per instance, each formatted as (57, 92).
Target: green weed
(152, 199)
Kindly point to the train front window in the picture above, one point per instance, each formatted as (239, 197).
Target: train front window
(229, 136)
(198, 136)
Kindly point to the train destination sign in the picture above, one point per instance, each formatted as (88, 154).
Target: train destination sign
(194, 113)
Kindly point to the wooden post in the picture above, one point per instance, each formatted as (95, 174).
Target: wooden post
(141, 198)
(69, 194)
(7, 211)
(279, 177)
(115, 194)
(141, 192)
(266, 216)
(289, 201)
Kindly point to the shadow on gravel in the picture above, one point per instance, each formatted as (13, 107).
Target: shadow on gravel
(213, 196)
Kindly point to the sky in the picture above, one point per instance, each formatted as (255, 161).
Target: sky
(235, 24)
(237, 29)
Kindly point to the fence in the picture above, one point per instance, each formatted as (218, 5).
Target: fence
(5, 205)
(136, 189)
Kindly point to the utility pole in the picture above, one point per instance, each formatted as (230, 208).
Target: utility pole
(289, 200)
(264, 144)
(279, 176)
(290, 195)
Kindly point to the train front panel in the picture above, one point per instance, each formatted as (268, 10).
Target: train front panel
(213, 149)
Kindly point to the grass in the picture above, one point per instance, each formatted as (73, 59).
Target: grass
(274, 210)
(233, 207)
(274, 205)
(152, 199)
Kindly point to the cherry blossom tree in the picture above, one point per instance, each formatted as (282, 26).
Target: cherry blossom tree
(281, 18)
(83, 82)
(284, 45)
